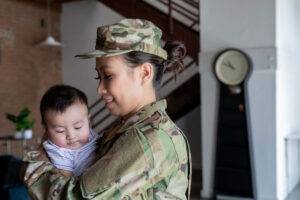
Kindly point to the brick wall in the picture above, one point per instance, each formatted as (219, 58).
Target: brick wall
(26, 71)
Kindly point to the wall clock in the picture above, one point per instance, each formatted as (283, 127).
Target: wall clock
(231, 68)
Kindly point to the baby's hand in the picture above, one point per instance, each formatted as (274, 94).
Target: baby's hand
(66, 172)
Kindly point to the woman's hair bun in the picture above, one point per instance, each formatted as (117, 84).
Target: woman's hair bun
(176, 52)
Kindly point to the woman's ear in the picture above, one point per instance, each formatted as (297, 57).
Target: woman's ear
(146, 73)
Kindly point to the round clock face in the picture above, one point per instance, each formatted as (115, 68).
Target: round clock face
(232, 67)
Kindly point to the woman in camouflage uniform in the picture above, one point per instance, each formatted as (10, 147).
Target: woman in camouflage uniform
(142, 156)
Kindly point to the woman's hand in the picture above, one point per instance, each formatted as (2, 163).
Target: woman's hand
(66, 172)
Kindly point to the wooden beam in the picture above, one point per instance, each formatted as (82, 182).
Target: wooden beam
(55, 4)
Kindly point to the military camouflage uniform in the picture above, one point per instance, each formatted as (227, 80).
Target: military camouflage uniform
(145, 157)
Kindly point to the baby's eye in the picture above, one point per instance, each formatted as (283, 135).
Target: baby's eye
(59, 131)
(77, 128)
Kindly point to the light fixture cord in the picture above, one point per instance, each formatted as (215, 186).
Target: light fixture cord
(48, 18)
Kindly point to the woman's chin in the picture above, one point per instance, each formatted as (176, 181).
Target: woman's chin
(113, 109)
(114, 112)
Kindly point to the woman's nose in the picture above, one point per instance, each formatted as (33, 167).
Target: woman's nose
(101, 89)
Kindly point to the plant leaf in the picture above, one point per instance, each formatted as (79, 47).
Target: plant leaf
(21, 121)
(11, 117)
(19, 127)
(24, 113)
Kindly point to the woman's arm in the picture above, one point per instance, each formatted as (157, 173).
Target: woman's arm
(40, 175)
(133, 164)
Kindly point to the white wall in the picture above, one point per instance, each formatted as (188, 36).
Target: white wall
(238, 23)
(250, 26)
(288, 84)
(79, 22)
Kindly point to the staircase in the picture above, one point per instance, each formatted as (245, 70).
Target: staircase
(184, 11)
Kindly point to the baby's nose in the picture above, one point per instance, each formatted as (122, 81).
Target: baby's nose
(70, 136)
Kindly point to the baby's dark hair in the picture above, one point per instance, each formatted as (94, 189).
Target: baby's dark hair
(176, 52)
(59, 98)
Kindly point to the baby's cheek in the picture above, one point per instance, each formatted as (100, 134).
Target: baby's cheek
(85, 136)
(84, 140)
(59, 142)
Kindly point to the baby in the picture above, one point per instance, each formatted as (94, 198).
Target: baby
(70, 143)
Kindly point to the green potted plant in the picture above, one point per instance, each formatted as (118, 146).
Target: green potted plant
(23, 125)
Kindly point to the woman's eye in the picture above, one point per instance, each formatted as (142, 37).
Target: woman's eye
(98, 77)
(107, 77)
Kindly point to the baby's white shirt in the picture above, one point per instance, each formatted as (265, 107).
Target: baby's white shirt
(74, 160)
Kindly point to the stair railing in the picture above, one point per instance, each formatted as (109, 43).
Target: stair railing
(189, 9)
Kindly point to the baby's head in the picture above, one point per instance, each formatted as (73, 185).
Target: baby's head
(64, 112)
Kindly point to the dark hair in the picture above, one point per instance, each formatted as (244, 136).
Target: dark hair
(176, 52)
(59, 98)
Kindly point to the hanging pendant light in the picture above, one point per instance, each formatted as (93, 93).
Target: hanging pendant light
(49, 41)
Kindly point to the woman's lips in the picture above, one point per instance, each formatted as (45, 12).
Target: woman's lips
(108, 101)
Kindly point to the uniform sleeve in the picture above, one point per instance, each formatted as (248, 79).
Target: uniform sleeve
(134, 163)
(42, 179)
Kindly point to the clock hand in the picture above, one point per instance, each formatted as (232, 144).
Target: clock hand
(228, 64)
(231, 65)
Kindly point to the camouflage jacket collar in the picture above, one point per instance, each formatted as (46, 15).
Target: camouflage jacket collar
(143, 113)
(148, 110)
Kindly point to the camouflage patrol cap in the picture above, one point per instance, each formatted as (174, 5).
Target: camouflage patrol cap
(126, 36)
